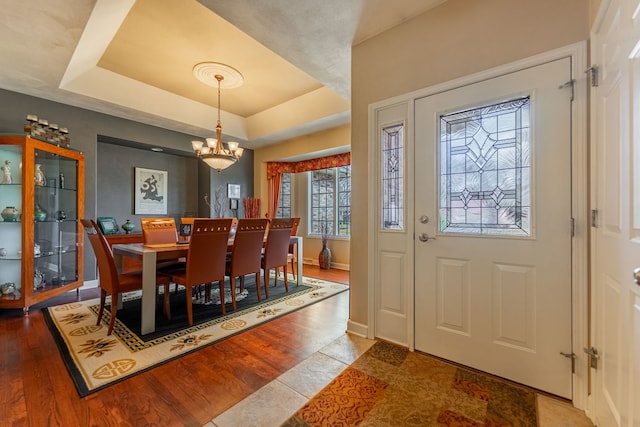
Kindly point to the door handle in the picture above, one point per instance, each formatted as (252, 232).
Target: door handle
(424, 237)
(636, 276)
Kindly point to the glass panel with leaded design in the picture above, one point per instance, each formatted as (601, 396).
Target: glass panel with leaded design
(392, 177)
(485, 170)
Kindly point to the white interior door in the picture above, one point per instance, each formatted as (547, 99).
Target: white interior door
(616, 298)
(493, 226)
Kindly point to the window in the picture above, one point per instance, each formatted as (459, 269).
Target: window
(284, 202)
(393, 177)
(485, 168)
(330, 201)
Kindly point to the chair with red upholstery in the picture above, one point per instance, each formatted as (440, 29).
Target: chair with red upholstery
(111, 282)
(159, 230)
(291, 255)
(276, 249)
(206, 260)
(246, 254)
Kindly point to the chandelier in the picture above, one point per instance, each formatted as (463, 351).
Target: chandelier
(214, 153)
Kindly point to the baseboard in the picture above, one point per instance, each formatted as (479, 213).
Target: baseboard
(337, 266)
(89, 284)
(357, 328)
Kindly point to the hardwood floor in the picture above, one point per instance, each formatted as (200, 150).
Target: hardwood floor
(36, 390)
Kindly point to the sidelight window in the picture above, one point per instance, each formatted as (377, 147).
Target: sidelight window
(393, 177)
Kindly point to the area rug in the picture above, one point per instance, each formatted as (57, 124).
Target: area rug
(95, 360)
(390, 386)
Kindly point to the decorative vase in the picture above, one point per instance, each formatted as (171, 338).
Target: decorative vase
(39, 178)
(7, 288)
(10, 214)
(39, 214)
(324, 258)
(61, 215)
(128, 226)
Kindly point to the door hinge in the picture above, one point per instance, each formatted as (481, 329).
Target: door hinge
(593, 357)
(594, 218)
(593, 73)
(571, 84)
(573, 227)
(571, 356)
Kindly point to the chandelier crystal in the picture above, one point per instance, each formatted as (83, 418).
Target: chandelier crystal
(214, 152)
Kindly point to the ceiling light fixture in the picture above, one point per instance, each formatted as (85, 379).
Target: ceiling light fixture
(214, 153)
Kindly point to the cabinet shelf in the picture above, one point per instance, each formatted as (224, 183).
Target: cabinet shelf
(43, 258)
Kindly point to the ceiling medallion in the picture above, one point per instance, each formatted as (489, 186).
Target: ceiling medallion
(206, 72)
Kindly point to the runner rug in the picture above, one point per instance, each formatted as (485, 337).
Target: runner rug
(95, 360)
(391, 386)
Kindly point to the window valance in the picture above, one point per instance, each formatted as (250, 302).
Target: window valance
(275, 168)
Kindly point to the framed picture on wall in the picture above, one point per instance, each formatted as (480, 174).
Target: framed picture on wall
(233, 204)
(233, 191)
(150, 191)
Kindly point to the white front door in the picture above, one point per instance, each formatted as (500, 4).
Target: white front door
(616, 139)
(493, 226)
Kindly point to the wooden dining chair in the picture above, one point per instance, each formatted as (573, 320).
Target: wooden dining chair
(111, 281)
(291, 254)
(159, 230)
(190, 220)
(206, 260)
(246, 254)
(276, 249)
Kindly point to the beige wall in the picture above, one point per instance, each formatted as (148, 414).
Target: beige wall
(336, 138)
(595, 5)
(458, 38)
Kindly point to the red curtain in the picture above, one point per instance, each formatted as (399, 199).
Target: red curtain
(274, 183)
(251, 207)
(276, 169)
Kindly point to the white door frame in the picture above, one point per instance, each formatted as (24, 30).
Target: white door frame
(579, 204)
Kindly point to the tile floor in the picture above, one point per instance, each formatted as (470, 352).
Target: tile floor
(274, 403)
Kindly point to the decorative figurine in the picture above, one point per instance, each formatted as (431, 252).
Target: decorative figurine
(6, 172)
(39, 177)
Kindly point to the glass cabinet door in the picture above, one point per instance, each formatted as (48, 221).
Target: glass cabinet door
(41, 199)
(11, 223)
(55, 221)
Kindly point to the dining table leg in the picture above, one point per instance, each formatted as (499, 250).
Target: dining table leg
(149, 289)
(118, 260)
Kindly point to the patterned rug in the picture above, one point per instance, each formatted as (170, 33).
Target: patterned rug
(390, 386)
(95, 360)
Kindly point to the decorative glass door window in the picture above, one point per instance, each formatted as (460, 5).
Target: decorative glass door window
(485, 170)
(393, 177)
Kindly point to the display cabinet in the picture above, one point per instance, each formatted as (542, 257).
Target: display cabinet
(41, 240)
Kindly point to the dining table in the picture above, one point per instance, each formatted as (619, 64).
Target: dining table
(150, 255)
